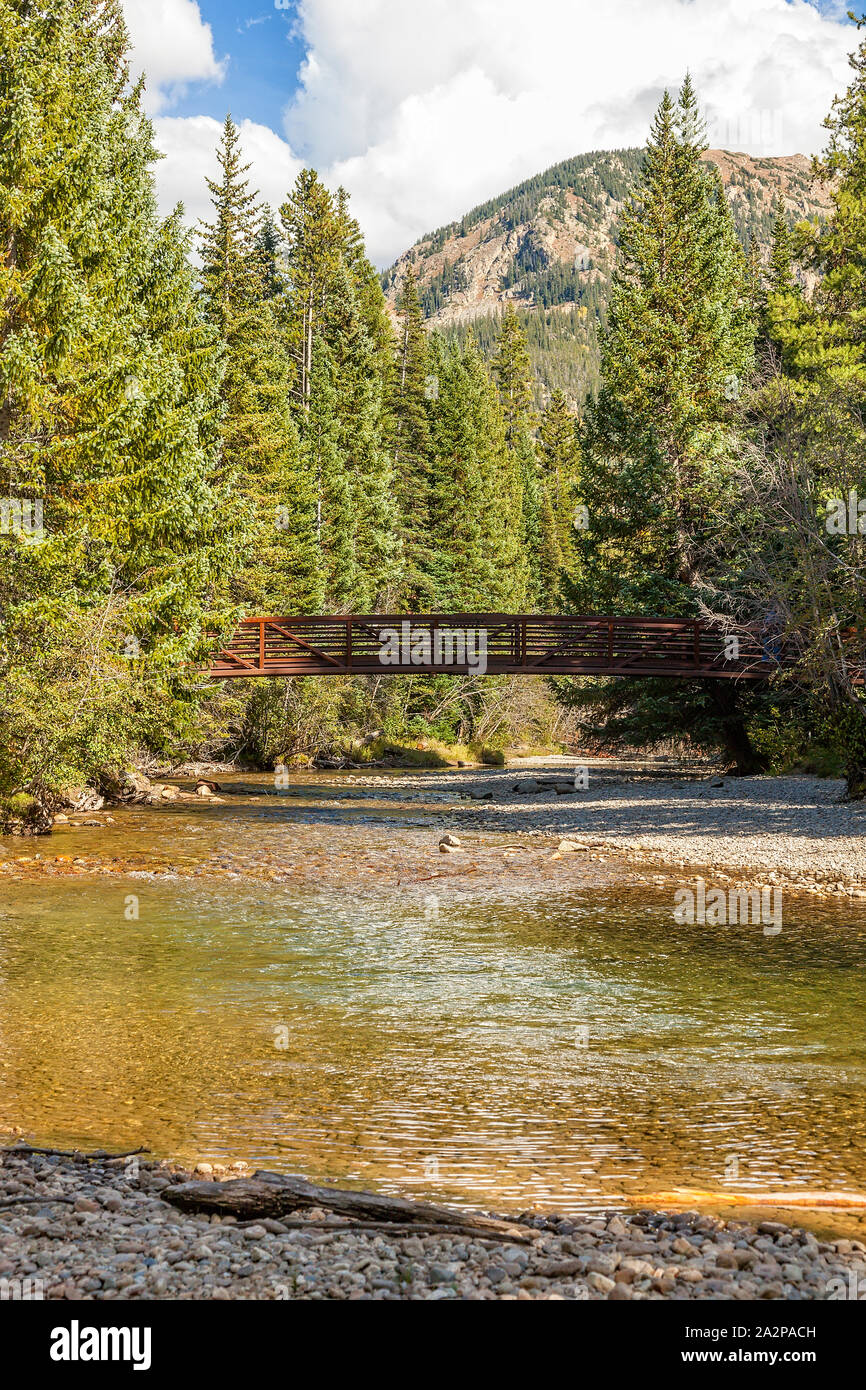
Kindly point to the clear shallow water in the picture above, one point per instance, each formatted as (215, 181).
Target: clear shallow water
(559, 1050)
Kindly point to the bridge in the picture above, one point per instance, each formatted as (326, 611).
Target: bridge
(492, 644)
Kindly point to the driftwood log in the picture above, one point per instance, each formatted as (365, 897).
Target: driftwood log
(278, 1194)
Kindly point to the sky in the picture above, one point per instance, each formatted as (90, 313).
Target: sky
(423, 108)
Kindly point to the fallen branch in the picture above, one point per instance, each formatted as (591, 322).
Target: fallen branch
(394, 1228)
(276, 1195)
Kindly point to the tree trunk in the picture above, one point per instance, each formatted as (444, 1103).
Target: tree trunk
(855, 779)
(742, 757)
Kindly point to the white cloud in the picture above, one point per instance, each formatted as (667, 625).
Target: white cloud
(423, 109)
(173, 46)
(189, 144)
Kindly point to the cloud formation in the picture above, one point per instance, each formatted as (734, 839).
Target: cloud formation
(189, 144)
(422, 110)
(173, 46)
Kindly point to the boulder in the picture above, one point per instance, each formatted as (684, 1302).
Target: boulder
(23, 814)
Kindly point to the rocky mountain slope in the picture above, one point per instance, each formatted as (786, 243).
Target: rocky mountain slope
(549, 246)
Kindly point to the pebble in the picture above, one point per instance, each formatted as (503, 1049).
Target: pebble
(90, 1249)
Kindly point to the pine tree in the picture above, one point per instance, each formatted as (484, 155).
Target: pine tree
(677, 356)
(660, 441)
(268, 251)
(550, 554)
(109, 410)
(812, 437)
(513, 374)
(559, 460)
(412, 397)
(336, 517)
(273, 493)
(781, 271)
(478, 563)
(310, 227)
(334, 323)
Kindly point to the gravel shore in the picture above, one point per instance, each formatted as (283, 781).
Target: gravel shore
(792, 830)
(116, 1238)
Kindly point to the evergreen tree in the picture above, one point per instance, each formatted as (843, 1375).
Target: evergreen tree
(660, 441)
(268, 252)
(273, 494)
(413, 393)
(781, 272)
(336, 519)
(310, 227)
(811, 453)
(550, 554)
(676, 358)
(478, 561)
(335, 325)
(559, 458)
(513, 375)
(109, 411)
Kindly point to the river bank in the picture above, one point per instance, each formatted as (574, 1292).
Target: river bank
(789, 832)
(114, 1237)
(328, 984)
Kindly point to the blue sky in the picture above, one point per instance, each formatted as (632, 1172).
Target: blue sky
(265, 49)
(423, 108)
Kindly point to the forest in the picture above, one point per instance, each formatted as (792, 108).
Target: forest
(200, 424)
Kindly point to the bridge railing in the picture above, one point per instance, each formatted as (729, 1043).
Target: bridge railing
(512, 643)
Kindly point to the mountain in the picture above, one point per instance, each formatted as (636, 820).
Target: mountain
(549, 246)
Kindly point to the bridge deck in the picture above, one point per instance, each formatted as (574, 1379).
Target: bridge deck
(495, 643)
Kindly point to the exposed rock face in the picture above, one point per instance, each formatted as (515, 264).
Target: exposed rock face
(127, 785)
(549, 245)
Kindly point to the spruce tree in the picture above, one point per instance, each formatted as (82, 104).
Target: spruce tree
(260, 447)
(413, 394)
(334, 323)
(477, 557)
(513, 373)
(109, 411)
(811, 433)
(559, 459)
(659, 442)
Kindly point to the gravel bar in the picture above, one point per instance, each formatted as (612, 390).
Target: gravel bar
(114, 1237)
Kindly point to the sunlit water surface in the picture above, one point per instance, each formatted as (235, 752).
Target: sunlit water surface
(548, 1051)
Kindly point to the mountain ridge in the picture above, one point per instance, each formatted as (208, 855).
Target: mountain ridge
(548, 246)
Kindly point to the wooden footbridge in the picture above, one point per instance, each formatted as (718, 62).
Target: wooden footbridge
(493, 644)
